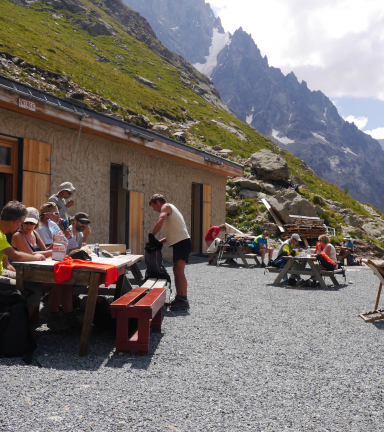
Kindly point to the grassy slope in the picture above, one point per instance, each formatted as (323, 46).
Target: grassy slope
(31, 33)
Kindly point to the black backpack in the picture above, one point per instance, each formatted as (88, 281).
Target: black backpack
(278, 262)
(154, 260)
(233, 241)
(15, 332)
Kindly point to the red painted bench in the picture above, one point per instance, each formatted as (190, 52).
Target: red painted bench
(144, 305)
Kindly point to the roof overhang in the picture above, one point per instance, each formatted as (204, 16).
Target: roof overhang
(58, 111)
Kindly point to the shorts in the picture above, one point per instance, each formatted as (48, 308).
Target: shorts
(181, 250)
(255, 250)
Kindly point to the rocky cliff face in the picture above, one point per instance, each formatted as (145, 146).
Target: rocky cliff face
(183, 26)
(304, 122)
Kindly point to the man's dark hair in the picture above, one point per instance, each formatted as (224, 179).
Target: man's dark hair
(157, 197)
(13, 211)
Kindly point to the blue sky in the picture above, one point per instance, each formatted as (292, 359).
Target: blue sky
(336, 46)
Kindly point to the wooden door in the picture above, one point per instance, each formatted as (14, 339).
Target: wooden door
(207, 214)
(36, 173)
(8, 170)
(136, 222)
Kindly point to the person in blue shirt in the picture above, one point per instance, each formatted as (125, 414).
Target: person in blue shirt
(348, 243)
(260, 247)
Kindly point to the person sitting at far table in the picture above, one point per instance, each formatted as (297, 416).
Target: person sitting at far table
(329, 249)
(289, 248)
(290, 185)
(348, 250)
(260, 247)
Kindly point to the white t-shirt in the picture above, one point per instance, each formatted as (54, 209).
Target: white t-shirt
(174, 227)
(45, 234)
(331, 252)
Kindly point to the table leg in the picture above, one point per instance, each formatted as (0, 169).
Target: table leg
(89, 313)
(241, 255)
(136, 271)
(317, 274)
(334, 280)
(284, 271)
(119, 287)
(19, 278)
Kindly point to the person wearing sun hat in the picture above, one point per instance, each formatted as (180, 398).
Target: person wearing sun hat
(349, 252)
(66, 190)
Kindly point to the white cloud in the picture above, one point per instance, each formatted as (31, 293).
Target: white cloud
(336, 46)
(376, 133)
(360, 122)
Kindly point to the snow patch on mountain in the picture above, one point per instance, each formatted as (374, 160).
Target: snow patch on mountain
(219, 41)
(348, 150)
(320, 137)
(249, 117)
(284, 140)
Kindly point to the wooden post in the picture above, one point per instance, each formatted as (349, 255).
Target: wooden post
(89, 313)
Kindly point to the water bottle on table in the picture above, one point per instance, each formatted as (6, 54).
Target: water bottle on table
(97, 249)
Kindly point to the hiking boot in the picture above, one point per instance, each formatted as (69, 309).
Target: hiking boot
(71, 320)
(179, 305)
(263, 265)
(56, 322)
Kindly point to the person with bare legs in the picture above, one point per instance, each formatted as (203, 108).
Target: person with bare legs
(177, 237)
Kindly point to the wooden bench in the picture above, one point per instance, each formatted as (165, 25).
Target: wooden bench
(136, 313)
(233, 254)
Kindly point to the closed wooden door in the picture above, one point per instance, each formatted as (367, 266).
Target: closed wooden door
(36, 173)
(207, 213)
(136, 222)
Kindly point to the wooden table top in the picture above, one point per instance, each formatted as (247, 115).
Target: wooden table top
(118, 261)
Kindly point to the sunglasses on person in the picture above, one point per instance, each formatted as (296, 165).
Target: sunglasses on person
(84, 223)
(29, 223)
(54, 213)
(69, 193)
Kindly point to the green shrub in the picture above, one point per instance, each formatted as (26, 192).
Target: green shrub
(262, 208)
(257, 229)
(316, 199)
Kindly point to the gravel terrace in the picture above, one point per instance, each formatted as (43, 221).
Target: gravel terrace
(247, 356)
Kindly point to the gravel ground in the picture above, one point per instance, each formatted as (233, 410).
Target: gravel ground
(247, 356)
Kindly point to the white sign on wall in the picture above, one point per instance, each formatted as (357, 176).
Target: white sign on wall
(29, 105)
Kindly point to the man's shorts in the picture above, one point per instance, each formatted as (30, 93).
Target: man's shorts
(181, 250)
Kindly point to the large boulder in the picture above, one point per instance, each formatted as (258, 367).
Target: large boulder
(269, 165)
(232, 206)
(161, 129)
(288, 202)
(245, 183)
(355, 221)
(246, 193)
(373, 229)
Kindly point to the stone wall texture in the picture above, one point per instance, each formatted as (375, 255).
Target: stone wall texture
(148, 174)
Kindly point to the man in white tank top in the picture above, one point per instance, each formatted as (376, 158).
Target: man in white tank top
(177, 237)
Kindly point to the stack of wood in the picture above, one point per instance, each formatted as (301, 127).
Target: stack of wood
(306, 227)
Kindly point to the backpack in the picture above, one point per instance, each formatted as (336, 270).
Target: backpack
(233, 241)
(278, 262)
(154, 260)
(326, 262)
(15, 332)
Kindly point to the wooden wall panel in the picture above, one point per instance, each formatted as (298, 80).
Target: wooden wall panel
(136, 222)
(207, 214)
(36, 157)
(35, 189)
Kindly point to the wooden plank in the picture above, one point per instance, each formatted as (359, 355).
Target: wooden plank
(113, 133)
(36, 157)
(136, 222)
(47, 276)
(207, 214)
(35, 189)
(273, 214)
(149, 283)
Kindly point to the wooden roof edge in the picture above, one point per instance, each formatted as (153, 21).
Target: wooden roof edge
(96, 124)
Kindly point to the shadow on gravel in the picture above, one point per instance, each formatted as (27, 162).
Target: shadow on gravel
(308, 288)
(378, 324)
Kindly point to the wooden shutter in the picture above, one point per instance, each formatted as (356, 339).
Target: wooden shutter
(207, 213)
(36, 173)
(136, 222)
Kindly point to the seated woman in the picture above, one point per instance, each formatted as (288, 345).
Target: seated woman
(348, 250)
(328, 247)
(27, 240)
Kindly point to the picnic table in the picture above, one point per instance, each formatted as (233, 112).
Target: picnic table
(227, 251)
(42, 271)
(313, 271)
